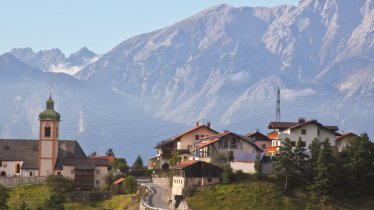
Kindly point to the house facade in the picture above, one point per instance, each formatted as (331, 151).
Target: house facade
(343, 139)
(306, 130)
(48, 155)
(181, 144)
(261, 140)
(191, 173)
(226, 144)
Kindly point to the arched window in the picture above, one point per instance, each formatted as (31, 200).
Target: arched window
(18, 168)
(3, 173)
(47, 132)
(57, 132)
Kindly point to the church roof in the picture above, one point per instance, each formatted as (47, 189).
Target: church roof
(28, 151)
(49, 113)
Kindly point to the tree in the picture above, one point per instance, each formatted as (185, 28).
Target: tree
(357, 160)
(54, 202)
(138, 164)
(121, 164)
(110, 152)
(285, 163)
(258, 165)
(300, 159)
(325, 179)
(175, 159)
(227, 175)
(130, 185)
(4, 196)
(60, 185)
(314, 148)
(220, 160)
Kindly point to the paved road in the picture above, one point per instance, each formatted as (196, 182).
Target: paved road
(155, 198)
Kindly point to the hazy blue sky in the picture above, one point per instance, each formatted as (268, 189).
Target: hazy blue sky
(99, 25)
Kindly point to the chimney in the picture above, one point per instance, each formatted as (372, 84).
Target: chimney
(197, 124)
(226, 131)
(208, 124)
(301, 120)
(257, 130)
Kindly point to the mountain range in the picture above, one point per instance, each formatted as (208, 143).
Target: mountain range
(223, 64)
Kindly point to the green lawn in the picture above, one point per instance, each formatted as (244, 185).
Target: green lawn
(35, 195)
(244, 195)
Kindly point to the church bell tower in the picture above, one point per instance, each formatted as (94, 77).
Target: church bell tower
(48, 139)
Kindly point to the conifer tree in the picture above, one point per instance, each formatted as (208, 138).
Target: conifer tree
(325, 179)
(285, 163)
(4, 195)
(138, 164)
(300, 159)
(258, 165)
(357, 160)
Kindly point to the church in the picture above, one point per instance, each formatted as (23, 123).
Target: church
(50, 156)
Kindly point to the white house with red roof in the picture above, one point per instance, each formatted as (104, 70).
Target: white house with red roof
(181, 144)
(343, 139)
(307, 130)
(227, 144)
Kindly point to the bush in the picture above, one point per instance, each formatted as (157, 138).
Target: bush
(130, 185)
(4, 196)
(54, 202)
(227, 175)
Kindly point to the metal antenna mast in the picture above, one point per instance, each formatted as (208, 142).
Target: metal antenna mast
(278, 111)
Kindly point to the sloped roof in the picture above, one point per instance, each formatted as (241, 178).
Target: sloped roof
(185, 164)
(246, 157)
(85, 163)
(258, 136)
(28, 151)
(193, 129)
(341, 136)
(293, 125)
(169, 141)
(110, 159)
(214, 138)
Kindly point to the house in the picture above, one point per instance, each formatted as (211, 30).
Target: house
(50, 156)
(181, 144)
(306, 130)
(343, 139)
(192, 173)
(226, 144)
(261, 140)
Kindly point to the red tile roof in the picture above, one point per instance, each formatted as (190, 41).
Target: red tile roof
(185, 164)
(206, 143)
(258, 136)
(193, 129)
(345, 134)
(110, 159)
(119, 180)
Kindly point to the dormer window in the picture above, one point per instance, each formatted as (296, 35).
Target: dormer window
(47, 132)
(303, 131)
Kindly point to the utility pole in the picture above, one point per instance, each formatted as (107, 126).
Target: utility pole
(278, 109)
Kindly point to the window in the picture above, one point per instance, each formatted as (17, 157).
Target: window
(197, 137)
(1, 164)
(263, 146)
(233, 143)
(317, 131)
(189, 147)
(5, 165)
(97, 182)
(303, 143)
(18, 168)
(72, 171)
(97, 171)
(59, 173)
(209, 180)
(303, 131)
(47, 132)
(57, 132)
(293, 143)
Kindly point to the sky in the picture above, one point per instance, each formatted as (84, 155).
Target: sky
(98, 25)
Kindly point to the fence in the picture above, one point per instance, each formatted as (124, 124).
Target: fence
(16, 181)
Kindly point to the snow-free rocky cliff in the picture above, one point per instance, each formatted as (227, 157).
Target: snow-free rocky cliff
(225, 63)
